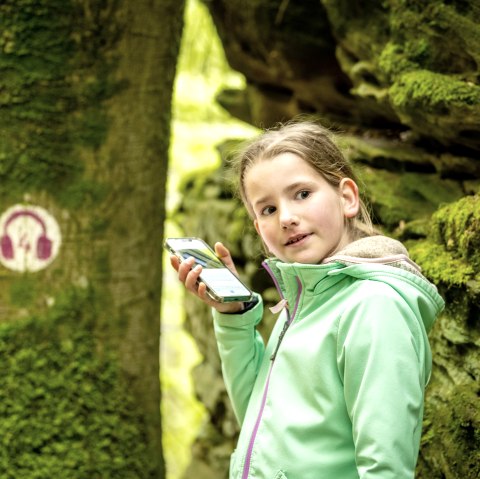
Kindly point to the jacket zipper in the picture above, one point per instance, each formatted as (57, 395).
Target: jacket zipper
(248, 457)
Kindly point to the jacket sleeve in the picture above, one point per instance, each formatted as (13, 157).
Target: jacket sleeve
(241, 350)
(382, 354)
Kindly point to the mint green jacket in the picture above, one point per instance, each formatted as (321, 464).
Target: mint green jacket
(338, 391)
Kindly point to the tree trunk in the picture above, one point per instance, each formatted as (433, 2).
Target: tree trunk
(85, 95)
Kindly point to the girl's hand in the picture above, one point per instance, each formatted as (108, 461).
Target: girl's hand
(189, 278)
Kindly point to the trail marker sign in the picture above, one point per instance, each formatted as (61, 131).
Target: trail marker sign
(30, 238)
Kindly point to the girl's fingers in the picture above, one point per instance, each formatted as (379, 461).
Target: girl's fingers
(198, 288)
(202, 293)
(174, 262)
(191, 280)
(189, 275)
(184, 269)
(224, 254)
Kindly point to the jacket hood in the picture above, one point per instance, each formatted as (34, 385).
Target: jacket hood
(376, 250)
(375, 258)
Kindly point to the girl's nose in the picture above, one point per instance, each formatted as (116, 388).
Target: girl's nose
(288, 219)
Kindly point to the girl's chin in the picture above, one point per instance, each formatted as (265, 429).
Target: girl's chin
(303, 258)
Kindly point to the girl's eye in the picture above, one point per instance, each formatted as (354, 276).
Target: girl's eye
(302, 195)
(267, 211)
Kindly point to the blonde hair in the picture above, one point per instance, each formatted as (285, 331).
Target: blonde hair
(314, 144)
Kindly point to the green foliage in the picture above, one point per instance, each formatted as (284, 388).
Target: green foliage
(201, 67)
(201, 50)
(54, 78)
(64, 409)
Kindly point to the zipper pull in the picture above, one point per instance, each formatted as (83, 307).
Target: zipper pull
(279, 306)
(280, 338)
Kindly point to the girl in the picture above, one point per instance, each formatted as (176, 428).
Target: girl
(338, 391)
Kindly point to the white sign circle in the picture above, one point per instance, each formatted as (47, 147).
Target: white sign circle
(30, 238)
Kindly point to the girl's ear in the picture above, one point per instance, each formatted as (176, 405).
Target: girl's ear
(350, 197)
(255, 223)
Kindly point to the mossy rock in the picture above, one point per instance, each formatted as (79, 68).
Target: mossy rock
(439, 106)
(451, 255)
(419, 58)
(452, 424)
(457, 227)
(440, 265)
(404, 197)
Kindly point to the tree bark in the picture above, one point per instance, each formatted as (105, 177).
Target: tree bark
(85, 97)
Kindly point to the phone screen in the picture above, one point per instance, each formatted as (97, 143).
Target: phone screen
(220, 281)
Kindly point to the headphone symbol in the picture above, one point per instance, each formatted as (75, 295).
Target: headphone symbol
(44, 244)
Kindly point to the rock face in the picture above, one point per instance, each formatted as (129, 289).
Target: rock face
(401, 64)
(400, 80)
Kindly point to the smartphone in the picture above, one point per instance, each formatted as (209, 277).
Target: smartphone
(222, 285)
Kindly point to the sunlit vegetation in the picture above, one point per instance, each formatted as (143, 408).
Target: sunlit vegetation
(198, 125)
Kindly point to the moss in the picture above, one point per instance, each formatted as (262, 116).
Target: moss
(393, 60)
(410, 55)
(102, 263)
(457, 227)
(81, 193)
(55, 75)
(440, 265)
(452, 417)
(65, 410)
(452, 424)
(433, 92)
(451, 255)
(436, 36)
(22, 291)
(397, 198)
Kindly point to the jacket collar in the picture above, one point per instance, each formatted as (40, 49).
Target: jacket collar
(289, 278)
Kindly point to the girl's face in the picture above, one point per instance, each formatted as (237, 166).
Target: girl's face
(298, 214)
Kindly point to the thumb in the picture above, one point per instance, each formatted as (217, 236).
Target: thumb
(224, 254)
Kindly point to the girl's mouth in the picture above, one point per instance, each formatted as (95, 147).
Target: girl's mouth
(296, 239)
